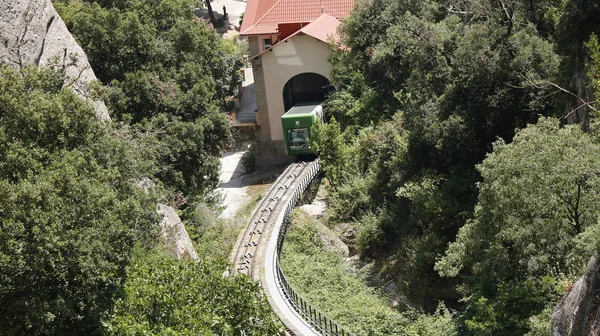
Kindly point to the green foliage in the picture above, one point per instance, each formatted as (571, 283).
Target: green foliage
(249, 160)
(69, 206)
(165, 296)
(530, 234)
(508, 313)
(73, 203)
(212, 236)
(537, 201)
(329, 142)
(343, 295)
(187, 152)
(539, 325)
(594, 72)
(371, 238)
(440, 323)
(364, 169)
(425, 89)
(168, 77)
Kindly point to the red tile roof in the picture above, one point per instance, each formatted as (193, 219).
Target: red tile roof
(262, 16)
(324, 29)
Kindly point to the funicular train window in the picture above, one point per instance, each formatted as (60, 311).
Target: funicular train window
(298, 138)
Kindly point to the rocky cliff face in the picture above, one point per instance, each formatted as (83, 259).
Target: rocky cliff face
(578, 313)
(32, 33)
(174, 235)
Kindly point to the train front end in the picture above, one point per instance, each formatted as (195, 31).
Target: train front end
(297, 125)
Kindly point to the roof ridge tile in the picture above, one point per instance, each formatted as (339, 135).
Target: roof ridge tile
(291, 11)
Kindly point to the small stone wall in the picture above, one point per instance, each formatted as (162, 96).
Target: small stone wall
(269, 153)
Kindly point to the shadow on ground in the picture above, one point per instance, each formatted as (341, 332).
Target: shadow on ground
(264, 175)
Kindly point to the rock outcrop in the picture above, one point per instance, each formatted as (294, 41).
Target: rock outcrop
(578, 313)
(32, 33)
(174, 235)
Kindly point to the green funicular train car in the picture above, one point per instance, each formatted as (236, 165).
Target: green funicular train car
(297, 123)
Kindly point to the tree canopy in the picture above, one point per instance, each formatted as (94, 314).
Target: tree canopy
(425, 91)
(164, 296)
(79, 196)
(168, 76)
(536, 220)
(70, 209)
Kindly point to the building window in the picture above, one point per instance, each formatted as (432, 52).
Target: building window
(268, 43)
(298, 138)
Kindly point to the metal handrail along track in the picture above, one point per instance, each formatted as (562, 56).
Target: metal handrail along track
(258, 249)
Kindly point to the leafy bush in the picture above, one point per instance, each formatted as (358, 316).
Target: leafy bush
(165, 296)
(249, 160)
(325, 280)
(69, 206)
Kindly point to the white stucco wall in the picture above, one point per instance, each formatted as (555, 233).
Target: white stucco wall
(300, 54)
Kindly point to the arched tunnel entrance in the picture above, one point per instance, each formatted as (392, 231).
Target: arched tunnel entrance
(305, 87)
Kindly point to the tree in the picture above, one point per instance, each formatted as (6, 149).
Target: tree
(70, 211)
(538, 204)
(329, 142)
(454, 73)
(164, 296)
(168, 77)
(187, 153)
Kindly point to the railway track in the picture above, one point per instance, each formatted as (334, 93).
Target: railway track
(248, 254)
(256, 254)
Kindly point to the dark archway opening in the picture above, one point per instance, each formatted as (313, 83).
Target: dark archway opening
(305, 87)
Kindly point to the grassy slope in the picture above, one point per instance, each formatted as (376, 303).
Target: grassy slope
(323, 279)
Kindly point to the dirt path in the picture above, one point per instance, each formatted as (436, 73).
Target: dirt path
(238, 189)
(231, 184)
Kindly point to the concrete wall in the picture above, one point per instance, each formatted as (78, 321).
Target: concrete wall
(300, 54)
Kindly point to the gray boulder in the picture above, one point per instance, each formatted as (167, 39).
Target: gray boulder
(174, 235)
(32, 33)
(578, 314)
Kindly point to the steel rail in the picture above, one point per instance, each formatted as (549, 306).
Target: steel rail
(257, 254)
(247, 248)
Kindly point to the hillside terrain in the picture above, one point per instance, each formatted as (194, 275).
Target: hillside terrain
(461, 159)
(98, 176)
(462, 149)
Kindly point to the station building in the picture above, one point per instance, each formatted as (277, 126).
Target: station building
(289, 45)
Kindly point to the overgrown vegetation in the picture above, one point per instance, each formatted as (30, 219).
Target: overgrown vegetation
(249, 160)
(324, 280)
(426, 90)
(214, 236)
(448, 150)
(167, 76)
(165, 296)
(79, 252)
(70, 209)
